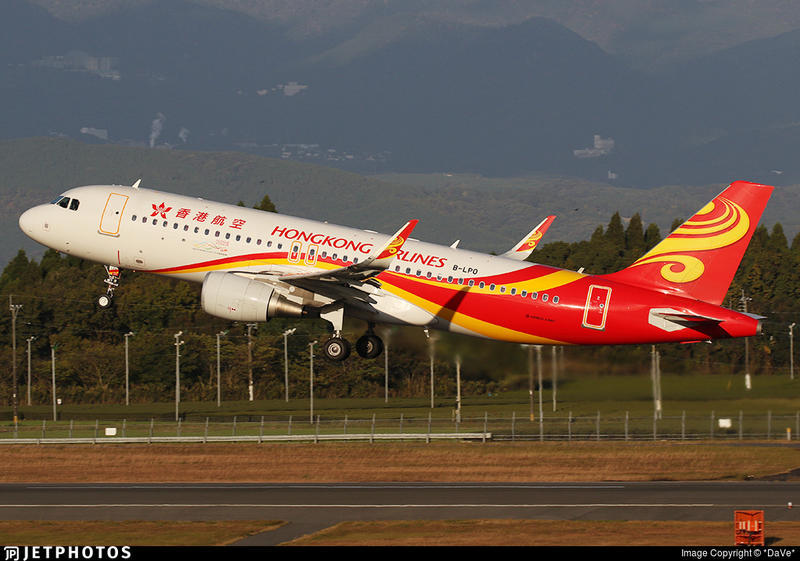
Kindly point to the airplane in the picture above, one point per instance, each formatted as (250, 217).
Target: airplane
(256, 265)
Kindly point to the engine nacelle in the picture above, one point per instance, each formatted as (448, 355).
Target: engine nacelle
(236, 298)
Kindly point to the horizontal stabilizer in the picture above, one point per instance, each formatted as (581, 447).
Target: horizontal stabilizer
(688, 318)
(670, 320)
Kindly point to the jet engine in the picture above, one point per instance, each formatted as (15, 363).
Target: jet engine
(236, 298)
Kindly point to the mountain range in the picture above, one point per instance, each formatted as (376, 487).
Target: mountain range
(490, 88)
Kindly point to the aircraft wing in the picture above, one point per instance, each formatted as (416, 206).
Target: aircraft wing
(526, 245)
(376, 262)
(351, 282)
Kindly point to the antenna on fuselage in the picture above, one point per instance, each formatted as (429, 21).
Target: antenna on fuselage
(136, 185)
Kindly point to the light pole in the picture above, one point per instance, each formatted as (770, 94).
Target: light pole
(539, 374)
(15, 308)
(555, 375)
(127, 370)
(791, 351)
(311, 377)
(219, 377)
(531, 414)
(250, 327)
(458, 388)
(286, 361)
(178, 344)
(743, 308)
(431, 352)
(30, 340)
(386, 334)
(53, 374)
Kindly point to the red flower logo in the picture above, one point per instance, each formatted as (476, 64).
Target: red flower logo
(161, 209)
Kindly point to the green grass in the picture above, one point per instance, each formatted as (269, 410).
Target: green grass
(692, 405)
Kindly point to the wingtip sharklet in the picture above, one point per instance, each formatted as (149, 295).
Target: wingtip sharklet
(393, 245)
(526, 245)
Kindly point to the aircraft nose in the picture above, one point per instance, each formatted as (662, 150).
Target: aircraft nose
(33, 223)
(26, 221)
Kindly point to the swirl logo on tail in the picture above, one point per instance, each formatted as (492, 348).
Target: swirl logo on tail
(719, 224)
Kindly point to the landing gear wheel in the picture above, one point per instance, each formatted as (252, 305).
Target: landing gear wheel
(336, 348)
(104, 301)
(369, 346)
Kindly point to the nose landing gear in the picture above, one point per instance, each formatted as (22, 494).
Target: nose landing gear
(112, 280)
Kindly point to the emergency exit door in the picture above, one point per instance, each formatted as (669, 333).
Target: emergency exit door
(112, 214)
(596, 310)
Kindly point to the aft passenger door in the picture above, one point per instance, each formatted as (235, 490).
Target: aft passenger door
(112, 214)
(596, 310)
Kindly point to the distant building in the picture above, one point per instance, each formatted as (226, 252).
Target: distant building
(602, 147)
(79, 61)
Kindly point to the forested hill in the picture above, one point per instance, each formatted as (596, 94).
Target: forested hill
(486, 214)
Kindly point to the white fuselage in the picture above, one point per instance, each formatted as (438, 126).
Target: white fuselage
(185, 237)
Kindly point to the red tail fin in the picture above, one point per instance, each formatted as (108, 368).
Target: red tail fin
(699, 259)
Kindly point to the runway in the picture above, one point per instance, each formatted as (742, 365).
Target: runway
(312, 507)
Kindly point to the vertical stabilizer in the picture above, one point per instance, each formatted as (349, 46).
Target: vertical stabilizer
(700, 258)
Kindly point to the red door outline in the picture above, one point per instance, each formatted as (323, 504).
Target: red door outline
(596, 310)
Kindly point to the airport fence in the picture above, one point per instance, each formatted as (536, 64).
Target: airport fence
(714, 426)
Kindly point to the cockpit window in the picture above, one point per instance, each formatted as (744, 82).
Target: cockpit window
(66, 202)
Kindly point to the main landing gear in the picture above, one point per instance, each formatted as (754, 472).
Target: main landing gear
(337, 348)
(112, 280)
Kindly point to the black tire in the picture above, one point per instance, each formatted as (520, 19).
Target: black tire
(369, 346)
(336, 349)
(104, 301)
